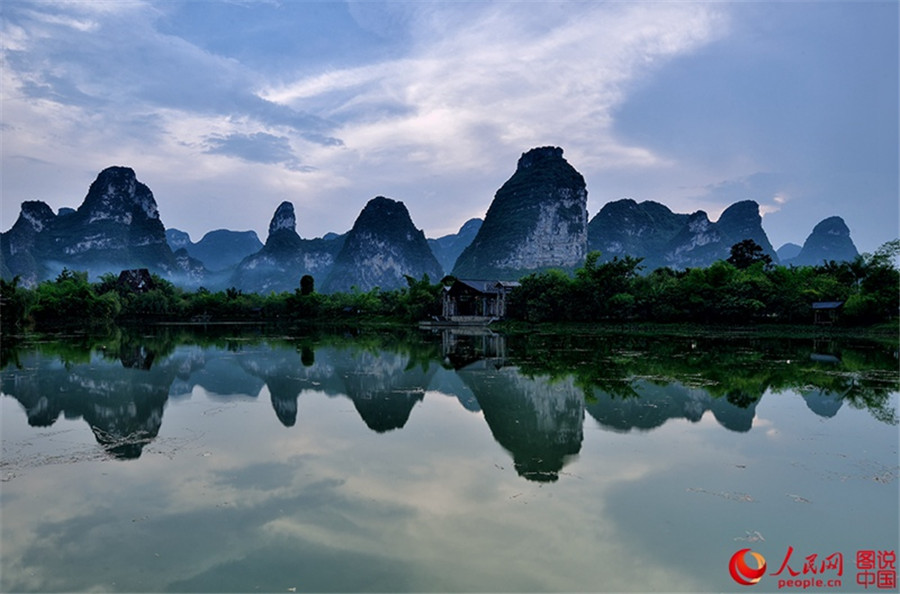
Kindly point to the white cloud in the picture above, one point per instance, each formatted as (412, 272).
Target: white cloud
(439, 126)
(484, 84)
(506, 78)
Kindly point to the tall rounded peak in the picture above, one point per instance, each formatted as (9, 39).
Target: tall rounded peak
(620, 205)
(832, 226)
(382, 202)
(283, 219)
(741, 218)
(538, 155)
(117, 195)
(116, 172)
(119, 180)
(745, 209)
(383, 209)
(36, 214)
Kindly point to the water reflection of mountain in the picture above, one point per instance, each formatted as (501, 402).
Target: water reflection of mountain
(534, 404)
(218, 371)
(537, 419)
(383, 386)
(653, 403)
(122, 403)
(824, 404)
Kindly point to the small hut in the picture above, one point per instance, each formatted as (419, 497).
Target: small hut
(476, 301)
(826, 312)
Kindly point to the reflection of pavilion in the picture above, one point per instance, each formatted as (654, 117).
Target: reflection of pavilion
(825, 350)
(462, 346)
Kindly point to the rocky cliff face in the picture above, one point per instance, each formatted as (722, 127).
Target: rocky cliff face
(381, 249)
(24, 245)
(117, 222)
(286, 257)
(448, 248)
(651, 231)
(627, 228)
(742, 221)
(117, 226)
(537, 220)
(178, 239)
(829, 240)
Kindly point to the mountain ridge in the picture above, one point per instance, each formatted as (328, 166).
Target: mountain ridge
(537, 220)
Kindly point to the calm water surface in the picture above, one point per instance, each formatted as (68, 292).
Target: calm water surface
(256, 463)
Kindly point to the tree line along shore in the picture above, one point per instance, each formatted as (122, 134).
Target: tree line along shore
(745, 289)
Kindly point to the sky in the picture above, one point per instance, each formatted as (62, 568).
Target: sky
(226, 109)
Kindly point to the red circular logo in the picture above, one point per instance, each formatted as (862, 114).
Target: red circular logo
(743, 573)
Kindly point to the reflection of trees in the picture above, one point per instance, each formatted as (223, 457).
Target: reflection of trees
(737, 371)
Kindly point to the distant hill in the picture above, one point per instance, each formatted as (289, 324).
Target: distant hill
(788, 251)
(381, 249)
(448, 248)
(829, 240)
(285, 257)
(218, 250)
(643, 230)
(651, 231)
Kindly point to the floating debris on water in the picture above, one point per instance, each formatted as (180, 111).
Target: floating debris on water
(798, 499)
(729, 495)
(17, 457)
(751, 536)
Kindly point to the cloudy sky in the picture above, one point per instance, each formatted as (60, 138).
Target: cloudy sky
(226, 109)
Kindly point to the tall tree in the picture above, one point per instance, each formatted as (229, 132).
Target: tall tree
(745, 254)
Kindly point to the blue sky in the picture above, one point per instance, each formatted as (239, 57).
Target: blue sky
(225, 109)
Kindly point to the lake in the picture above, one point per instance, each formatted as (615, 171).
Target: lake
(252, 461)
